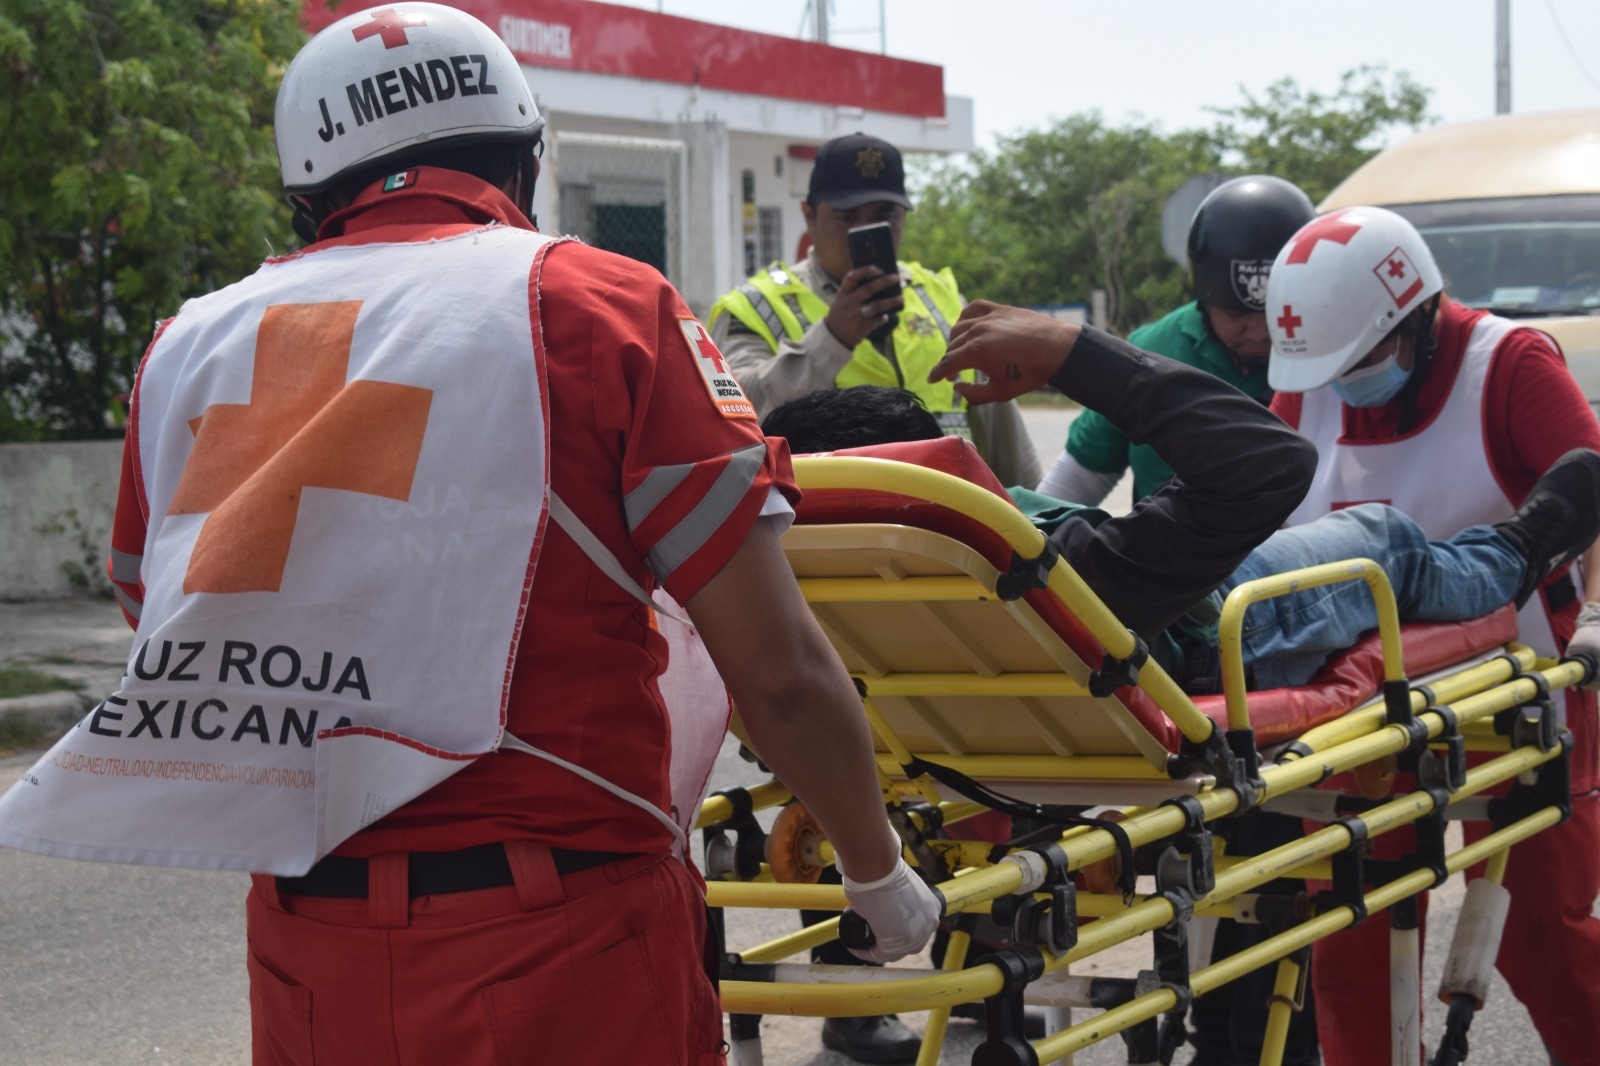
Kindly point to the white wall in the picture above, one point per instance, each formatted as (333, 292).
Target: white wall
(56, 502)
(725, 134)
(765, 157)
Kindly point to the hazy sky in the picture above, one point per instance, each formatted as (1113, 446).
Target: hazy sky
(1025, 61)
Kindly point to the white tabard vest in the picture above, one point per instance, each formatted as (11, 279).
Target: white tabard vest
(345, 461)
(1440, 475)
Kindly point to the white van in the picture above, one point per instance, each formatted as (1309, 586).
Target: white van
(1510, 207)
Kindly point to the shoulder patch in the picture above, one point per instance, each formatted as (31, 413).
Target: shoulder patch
(720, 382)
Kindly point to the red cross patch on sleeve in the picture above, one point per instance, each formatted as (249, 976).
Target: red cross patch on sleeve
(720, 382)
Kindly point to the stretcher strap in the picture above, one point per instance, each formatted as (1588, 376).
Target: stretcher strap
(1049, 812)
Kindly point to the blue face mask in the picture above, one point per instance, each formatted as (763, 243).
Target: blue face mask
(1373, 386)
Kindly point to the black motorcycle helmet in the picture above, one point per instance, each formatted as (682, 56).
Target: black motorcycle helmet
(1236, 234)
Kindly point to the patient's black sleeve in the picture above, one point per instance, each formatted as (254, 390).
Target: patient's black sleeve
(1240, 472)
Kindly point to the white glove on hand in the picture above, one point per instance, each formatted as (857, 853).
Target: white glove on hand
(1586, 640)
(900, 909)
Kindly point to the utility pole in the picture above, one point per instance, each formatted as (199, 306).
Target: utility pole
(1502, 57)
(819, 11)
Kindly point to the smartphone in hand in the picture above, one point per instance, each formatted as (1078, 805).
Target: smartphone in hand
(873, 245)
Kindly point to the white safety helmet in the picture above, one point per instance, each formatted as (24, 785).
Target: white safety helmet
(1343, 283)
(394, 81)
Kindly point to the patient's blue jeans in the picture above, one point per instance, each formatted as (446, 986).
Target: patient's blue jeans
(1288, 638)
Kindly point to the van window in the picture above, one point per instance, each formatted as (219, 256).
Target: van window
(1524, 257)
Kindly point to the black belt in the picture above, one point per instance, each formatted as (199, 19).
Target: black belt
(434, 873)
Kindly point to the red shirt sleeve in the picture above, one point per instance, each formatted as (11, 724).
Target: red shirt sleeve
(1534, 412)
(131, 519)
(693, 474)
(1286, 405)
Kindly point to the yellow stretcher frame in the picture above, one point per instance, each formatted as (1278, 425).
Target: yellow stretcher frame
(1463, 706)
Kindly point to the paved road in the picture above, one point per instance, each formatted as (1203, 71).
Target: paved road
(113, 965)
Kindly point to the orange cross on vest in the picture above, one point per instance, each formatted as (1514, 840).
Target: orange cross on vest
(304, 427)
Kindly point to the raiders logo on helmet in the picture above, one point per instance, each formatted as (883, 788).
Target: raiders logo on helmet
(1249, 278)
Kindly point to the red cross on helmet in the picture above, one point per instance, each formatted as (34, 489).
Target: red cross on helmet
(1340, 285)
(389, 81)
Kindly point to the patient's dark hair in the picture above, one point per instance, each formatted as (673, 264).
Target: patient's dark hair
(831, 419)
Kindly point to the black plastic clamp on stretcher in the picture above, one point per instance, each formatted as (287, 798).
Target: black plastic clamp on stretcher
(750, 840)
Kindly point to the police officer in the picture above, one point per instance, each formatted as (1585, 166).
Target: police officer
(825, 323)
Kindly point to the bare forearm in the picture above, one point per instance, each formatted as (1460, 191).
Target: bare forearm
(816, 740)
(798, 703)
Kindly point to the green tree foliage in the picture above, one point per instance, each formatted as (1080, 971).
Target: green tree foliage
(136, 170)
(1053, 214)
(1314, 139)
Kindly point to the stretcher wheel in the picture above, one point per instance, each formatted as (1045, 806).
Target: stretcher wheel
(794, 847)
(1375, 780)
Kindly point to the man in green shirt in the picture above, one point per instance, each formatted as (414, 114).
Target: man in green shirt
(1236, 233)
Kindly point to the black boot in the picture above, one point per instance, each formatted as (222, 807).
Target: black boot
(1558, 521)
(879, 1038)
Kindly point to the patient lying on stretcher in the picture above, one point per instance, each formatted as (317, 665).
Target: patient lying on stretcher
(1288, 638)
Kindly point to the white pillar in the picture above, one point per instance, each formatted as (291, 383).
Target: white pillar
(710, 236)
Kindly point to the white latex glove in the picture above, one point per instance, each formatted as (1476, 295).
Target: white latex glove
(1586, 640)
(900, 909)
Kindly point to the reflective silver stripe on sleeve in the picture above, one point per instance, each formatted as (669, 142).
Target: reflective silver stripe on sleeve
(638, 504)
(794, 307)
(699, 525)
(127, 602)
(125, 567)
(933, 310)
(764, 308)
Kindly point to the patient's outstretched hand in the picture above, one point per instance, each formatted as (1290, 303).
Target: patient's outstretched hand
(1018, 350)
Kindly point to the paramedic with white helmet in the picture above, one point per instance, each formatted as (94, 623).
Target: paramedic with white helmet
(459, 454)
(1450, 414)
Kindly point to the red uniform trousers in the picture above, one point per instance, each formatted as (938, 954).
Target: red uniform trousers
(596, 967)
(1549, 954)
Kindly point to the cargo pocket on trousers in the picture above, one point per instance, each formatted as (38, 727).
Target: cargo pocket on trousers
(553, 1015)
(280, 1018)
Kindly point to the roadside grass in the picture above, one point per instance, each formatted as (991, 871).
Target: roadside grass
(23, 681)
(19, 731)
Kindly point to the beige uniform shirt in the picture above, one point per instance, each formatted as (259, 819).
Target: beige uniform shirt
(799, 368)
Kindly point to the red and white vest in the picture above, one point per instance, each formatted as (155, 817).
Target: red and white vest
(345, 462)
(1410, 473)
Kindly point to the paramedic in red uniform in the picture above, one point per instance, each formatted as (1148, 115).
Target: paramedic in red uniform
(1450, 414)
(541, 899)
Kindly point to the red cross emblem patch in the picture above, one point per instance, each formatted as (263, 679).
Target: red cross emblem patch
(720, 382)
(1399, 275)
(389, 27)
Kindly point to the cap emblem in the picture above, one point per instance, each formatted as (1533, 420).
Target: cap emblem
(869, 162)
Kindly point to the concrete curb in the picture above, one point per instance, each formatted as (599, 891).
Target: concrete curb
(51, 712)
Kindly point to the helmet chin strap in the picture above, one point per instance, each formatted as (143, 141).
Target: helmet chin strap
(304, 222)
(526, 177)
(1423, 345)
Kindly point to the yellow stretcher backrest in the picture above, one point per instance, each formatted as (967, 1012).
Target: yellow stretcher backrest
(952, 668)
